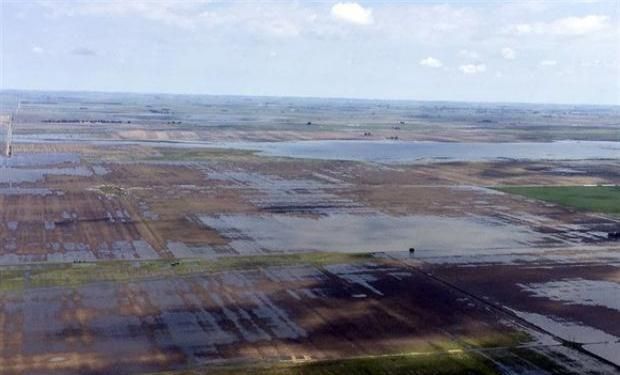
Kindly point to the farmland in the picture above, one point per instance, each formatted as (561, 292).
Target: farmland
(188, 235)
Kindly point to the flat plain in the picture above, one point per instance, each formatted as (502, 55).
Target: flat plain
(204, 234)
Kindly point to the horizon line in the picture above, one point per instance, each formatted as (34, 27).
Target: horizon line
(581, 104)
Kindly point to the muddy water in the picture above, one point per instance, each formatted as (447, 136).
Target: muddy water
(367, 233)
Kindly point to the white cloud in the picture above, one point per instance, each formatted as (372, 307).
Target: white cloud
(523, 28)
(177, 13)
(548, 63)
(579, 25)
(431, 62)
(469, 54)
(473, 68)
(353, 13)
(279, 20)
(425, 23)
(525, 7)
(569, 26)
(508, 53)
(37, 50)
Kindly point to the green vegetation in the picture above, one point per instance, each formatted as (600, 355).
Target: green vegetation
(494, 339)
(74, 274)
(181, 154)
(437, 364)
(604, 199)
(112, 190)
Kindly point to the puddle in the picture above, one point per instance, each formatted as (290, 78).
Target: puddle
(566, 171)
(100, 170)
(367, 233)
(578, 291)
(146, 212)
(181, 250)
(567, 330)
(534, 255)
(33, 167)
(355, 274)
(39, 159)
(67, 252)
(18, 175)
(28, 191)
(276, 194)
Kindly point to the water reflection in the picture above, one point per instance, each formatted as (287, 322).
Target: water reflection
(367, 233)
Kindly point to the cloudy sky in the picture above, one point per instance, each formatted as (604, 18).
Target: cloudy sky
(538, 51)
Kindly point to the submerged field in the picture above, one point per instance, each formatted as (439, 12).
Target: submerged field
(191, 235)
(605, 199)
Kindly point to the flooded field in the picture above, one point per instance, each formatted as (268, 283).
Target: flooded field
(385, 151)
(141, 234)
(281, 313)
(403, 152)
(579, 292)
(368, 233)
(577, 302)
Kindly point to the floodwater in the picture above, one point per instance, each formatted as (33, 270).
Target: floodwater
(33, 167)
(578, 291)
(290, 195)
(67, 251)
(528, 254)
(596, 341)
(368, 233)
(608, 350)
(386, 151)
(17, 175)
(40, 159)
(27, 191)
(400, 151)
(567, 330)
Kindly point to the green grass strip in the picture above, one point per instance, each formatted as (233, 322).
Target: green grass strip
(14, 278)
(603, 199)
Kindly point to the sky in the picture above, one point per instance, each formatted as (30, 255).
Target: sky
(490, 51)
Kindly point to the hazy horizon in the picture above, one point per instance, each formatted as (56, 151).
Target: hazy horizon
(336, 98)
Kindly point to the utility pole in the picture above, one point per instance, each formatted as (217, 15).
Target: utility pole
(8, 136)
(8, 144)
